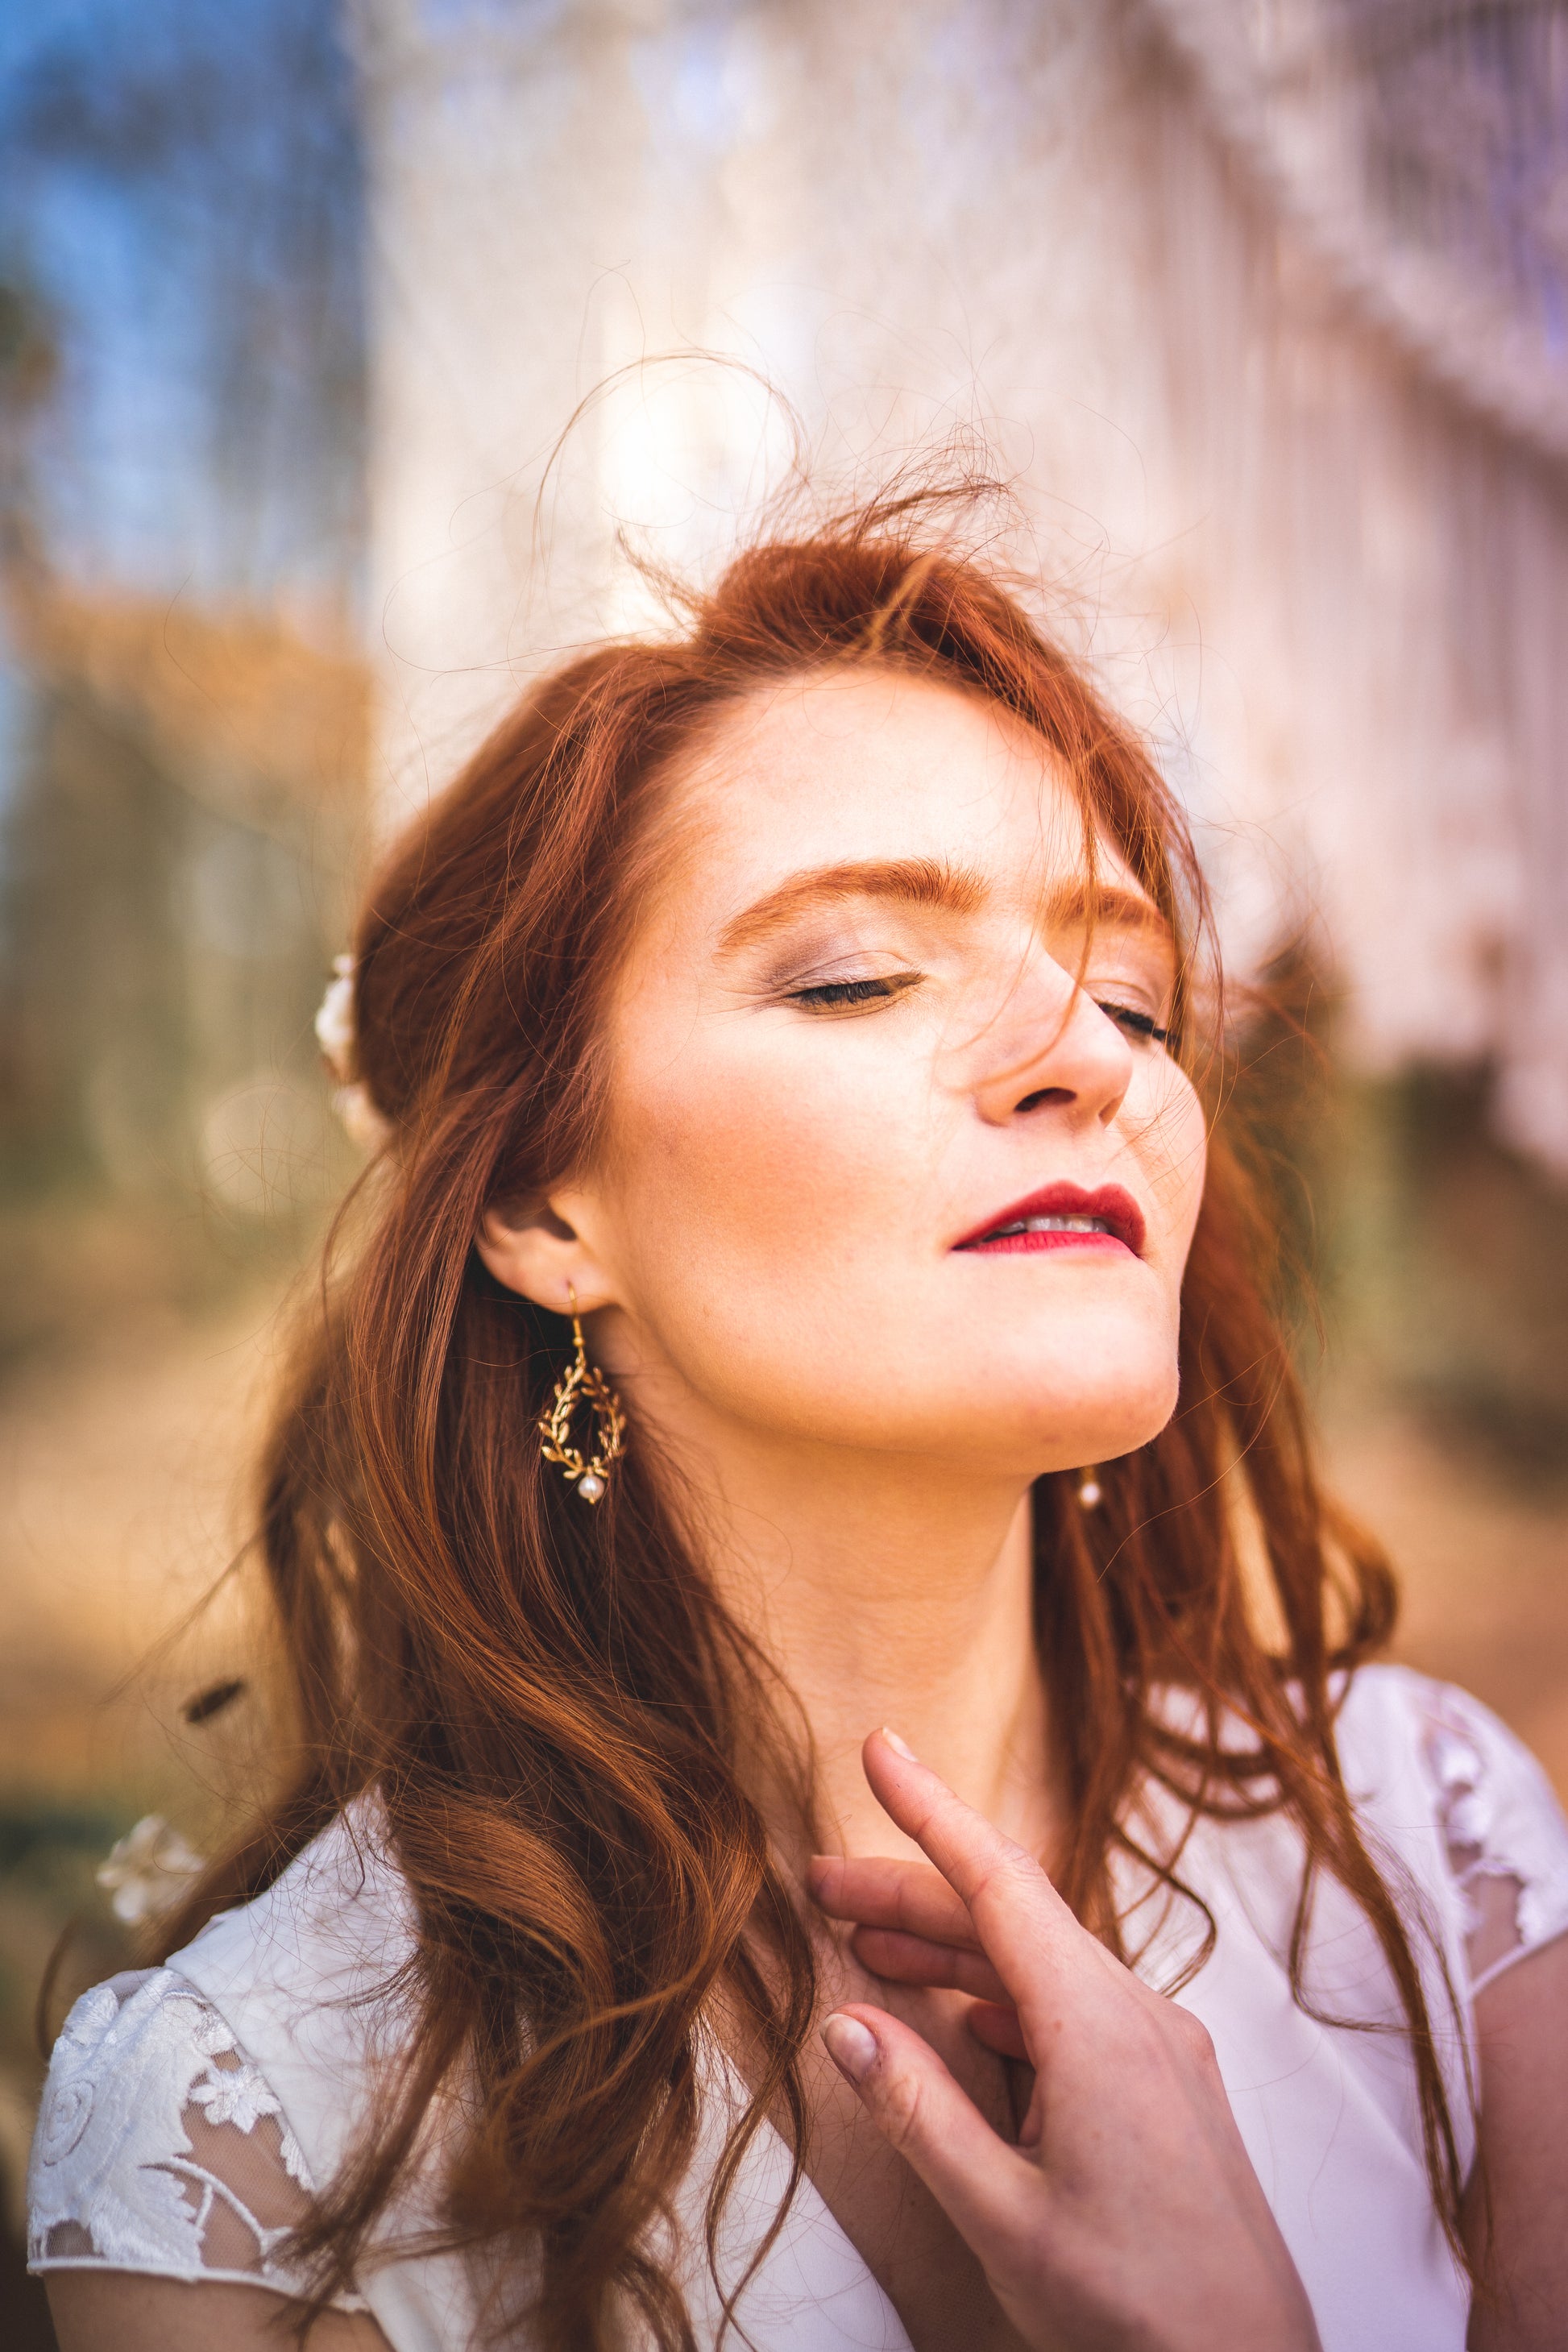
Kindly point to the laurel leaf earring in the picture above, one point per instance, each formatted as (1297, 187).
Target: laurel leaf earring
(1089, 1490)
(584, 1383)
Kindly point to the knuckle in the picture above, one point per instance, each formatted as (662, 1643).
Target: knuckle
(1172, 2043)
(1009, 1872)
(1193, 2038)
(1150, 2033)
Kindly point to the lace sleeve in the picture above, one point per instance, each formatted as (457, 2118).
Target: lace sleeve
(1506, 1836)
(161, 2147)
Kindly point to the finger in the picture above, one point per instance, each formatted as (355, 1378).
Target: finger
(995, 2025)
(911, 1960)
(877, 1892)
(1028, 1932)
(989, 2190)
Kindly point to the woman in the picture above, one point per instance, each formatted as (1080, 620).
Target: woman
(790, 1044)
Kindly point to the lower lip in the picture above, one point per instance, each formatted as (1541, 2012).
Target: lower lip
(1015, 1244)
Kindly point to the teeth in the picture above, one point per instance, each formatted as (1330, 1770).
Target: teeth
(1054, 1225)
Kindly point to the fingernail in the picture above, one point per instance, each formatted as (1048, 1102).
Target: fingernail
(900, 1747)
(852, 2046)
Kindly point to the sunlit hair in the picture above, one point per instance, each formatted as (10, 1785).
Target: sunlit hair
(559, 1718)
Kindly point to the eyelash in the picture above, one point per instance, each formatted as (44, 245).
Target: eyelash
(1141, 1025)
(831, 995)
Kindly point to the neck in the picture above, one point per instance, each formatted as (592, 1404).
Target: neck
(888, 1590)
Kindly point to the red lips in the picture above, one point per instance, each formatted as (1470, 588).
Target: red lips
(1109, 1205)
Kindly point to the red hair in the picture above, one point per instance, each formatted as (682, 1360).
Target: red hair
(543, 1694)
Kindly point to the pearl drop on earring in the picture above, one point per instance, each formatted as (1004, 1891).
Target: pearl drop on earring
(1089, 1490)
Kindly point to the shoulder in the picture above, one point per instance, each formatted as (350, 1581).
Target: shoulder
(1427, 1764)
(263, 2039)
(1404, 1734)
(254, 2049)
(120, 2078)
(313, 1978)
(338, 1920)
(148, 2101)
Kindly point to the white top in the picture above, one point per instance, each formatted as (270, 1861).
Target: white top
(190, 2109)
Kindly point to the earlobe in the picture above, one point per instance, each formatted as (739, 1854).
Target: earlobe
(543, 1257)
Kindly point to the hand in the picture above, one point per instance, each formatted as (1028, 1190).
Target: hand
(1128, 2214)
(911, 1929)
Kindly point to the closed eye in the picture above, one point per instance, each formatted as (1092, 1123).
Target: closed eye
(844, 995)
(1136, 1023)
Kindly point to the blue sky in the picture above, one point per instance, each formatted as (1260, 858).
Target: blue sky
(181, 197)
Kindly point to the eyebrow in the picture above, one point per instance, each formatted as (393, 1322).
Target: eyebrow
(930, 882)
(917, 881)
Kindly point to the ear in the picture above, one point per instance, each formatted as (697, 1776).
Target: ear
(541, 1255)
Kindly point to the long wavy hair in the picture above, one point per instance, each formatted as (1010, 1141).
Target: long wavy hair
(557, 1713)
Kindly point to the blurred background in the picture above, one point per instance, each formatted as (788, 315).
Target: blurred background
(1261, 304)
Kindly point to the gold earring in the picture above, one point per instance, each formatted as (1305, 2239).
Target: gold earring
(1089, 1490)
(584, 1383)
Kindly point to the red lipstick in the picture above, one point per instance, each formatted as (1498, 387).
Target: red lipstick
(1063, 1216)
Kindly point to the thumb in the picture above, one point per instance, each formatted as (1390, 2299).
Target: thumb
(985, 2187)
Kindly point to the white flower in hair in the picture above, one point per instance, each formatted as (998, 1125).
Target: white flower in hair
(335, 1031)
(148, 1870)
(338, 1037)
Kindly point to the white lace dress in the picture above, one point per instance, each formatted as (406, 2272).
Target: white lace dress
(191, 2109)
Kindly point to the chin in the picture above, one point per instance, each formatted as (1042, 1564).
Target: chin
(1122, 1407)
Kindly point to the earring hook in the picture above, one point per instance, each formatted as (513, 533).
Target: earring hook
(582, 1384)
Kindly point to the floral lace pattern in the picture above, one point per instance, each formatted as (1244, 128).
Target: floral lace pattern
(1506, 1837)
(159, 2146)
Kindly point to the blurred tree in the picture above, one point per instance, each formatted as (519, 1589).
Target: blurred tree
(181, 530)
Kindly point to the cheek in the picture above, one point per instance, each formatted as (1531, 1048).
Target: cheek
(763, 1161)
(1172, 1146)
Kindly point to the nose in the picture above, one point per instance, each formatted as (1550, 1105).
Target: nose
(1051, 1048)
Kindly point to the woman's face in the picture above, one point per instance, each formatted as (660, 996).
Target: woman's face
(880, 1173)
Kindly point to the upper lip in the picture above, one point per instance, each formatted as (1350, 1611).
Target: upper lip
(1110, 1203)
